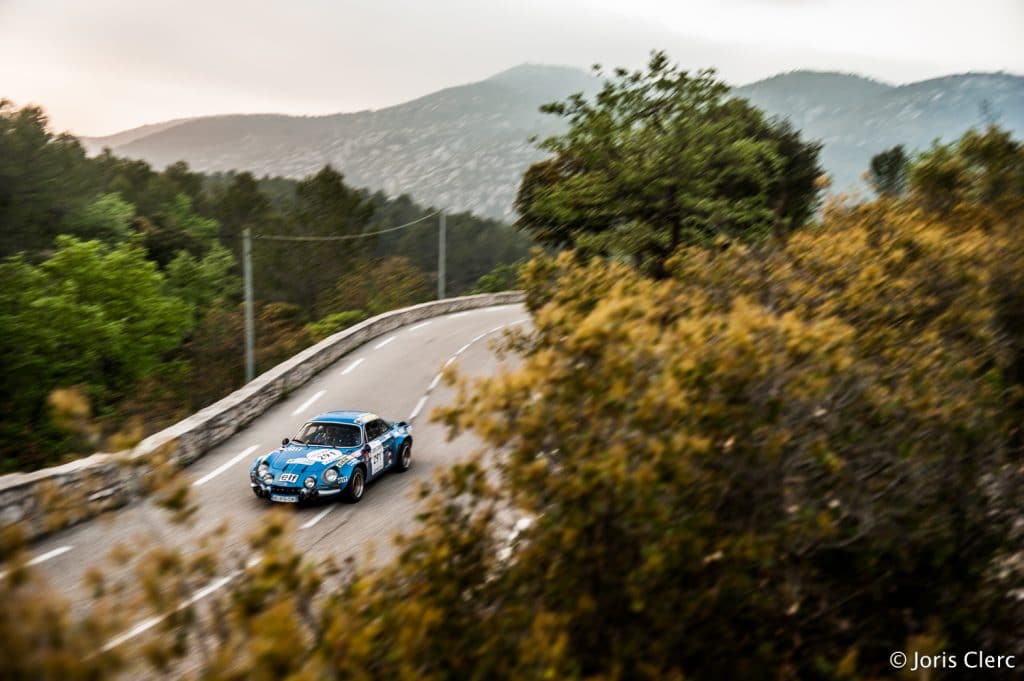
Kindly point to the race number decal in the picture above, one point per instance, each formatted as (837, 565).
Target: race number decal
(289, 477)
(325, 455)
(376, 457)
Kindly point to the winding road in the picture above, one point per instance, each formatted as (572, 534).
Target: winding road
(396, 375)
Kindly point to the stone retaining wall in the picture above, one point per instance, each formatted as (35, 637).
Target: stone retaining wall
(47, 500)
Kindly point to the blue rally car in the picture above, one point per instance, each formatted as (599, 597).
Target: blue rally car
(337, 452)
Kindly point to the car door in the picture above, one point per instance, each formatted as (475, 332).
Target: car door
(387, 437)
(381, 444)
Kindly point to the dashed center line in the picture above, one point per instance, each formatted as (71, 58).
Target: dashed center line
(437, 379)
(224, 466)
(308, 403)
(43, 557)
(384, 342)
(317, 518)
(60, 550)
(147, 624)
(418, 409)
(352, 366)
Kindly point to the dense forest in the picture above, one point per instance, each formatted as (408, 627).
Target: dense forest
(746, 440)
(120, 284)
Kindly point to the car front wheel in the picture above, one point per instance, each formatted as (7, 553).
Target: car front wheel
(356, 486)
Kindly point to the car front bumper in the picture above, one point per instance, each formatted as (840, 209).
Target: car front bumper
(291, 495)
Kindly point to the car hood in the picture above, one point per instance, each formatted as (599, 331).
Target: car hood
(296, 458)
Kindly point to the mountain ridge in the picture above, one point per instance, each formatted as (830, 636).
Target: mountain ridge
(465, 147)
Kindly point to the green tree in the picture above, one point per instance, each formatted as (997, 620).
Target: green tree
(378, 285)
(92, 314)
(107, 218)
(202, 282)
(239, 204)
(982, 170)
(215, 352)
(504, 277)
(659, 159)
(888, 172)
(302, 272)
(43, 177)
(176, 227)
(333, 323)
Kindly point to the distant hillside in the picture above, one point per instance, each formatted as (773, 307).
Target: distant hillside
(465, 147)
(856, 117)
(127, 136)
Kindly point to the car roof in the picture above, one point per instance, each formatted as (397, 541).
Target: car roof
(345, 416)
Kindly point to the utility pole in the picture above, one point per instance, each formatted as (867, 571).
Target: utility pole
(250, 327)
(442, 238)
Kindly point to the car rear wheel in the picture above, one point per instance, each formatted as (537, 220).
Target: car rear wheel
(356, 486)
(404, 458)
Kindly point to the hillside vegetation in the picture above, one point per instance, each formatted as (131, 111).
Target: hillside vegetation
(120, 286)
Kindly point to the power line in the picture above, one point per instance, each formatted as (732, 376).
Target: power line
(247, 237)
(342, 237)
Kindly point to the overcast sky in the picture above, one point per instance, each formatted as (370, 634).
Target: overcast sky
(100, 66)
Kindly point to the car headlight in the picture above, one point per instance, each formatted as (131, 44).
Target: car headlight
(268, 477)
(330, 475)
(310, 482)
(263, 469)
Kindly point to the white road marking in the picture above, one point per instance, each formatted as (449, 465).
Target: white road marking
(308, 403)
(459, 314)
(384, 342)
(352, 366)
(224, 466)
(448, 363)
(141, 627)
(43, 557)
(317, 518)
(419, 326)
(147, 624)
(419, 407)
(433, 384)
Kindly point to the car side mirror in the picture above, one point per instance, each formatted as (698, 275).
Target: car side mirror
(285, 442)
(366, 449)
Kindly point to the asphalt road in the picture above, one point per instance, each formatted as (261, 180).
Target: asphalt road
(395, 375)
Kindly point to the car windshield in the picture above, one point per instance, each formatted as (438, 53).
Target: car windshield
(329, 435)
